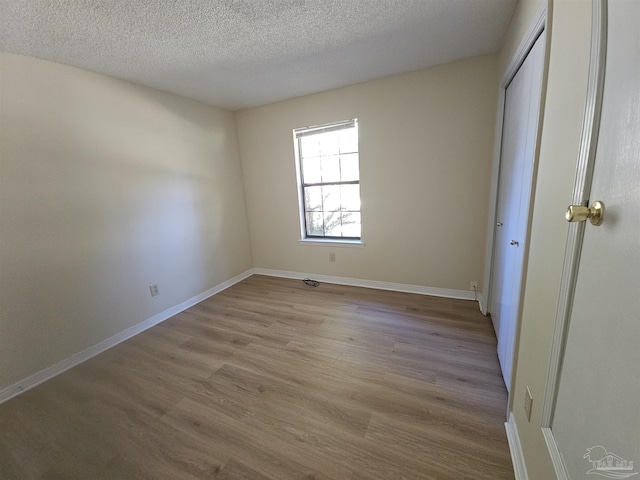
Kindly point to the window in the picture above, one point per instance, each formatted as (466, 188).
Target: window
(329, 180)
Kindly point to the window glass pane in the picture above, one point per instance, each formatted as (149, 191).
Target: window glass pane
(315, 223)
(329, 143)
(310, 146)
(350, 197)
(349, 167)
(351, 224)
(311, 170)
(312, 198)
(333, 224)
(348, 140)
(331, 197)
(331, 169)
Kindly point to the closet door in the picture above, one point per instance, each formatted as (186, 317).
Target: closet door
(520, 126)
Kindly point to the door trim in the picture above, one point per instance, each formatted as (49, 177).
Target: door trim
(580, 195)
(537, 28)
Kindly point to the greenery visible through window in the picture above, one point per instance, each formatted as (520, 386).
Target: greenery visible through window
(329, 180)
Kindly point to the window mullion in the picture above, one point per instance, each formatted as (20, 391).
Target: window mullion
(328, 184)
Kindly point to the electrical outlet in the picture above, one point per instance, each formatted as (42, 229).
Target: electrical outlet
(474, 286)
(332, 256)
(154, 290)
(528, 403)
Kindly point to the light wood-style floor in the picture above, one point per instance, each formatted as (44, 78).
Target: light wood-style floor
(272, 379)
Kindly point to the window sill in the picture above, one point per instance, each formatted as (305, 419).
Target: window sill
(318, 242)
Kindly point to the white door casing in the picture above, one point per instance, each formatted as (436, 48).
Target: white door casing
(592, 404)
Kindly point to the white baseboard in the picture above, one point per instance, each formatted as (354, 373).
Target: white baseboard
(517, 456)
(354, 282)
(50, 372)
(482, 304)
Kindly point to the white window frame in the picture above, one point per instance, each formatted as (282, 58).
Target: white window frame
(318, 240)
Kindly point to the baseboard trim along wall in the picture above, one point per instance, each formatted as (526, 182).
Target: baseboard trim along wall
(60, 367)
(481, 304)
(517, 457)
(396, 287)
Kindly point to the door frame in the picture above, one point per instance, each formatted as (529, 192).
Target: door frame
(537, 28)
(580, 195)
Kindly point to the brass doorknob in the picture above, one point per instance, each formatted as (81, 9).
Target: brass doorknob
(579, 213)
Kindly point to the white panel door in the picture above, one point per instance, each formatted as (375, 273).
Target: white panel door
(596, 424)
(520, 124)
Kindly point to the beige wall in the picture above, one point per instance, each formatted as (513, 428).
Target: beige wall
(524, 15)
(106, 188)
(425, 163)
(564, 107)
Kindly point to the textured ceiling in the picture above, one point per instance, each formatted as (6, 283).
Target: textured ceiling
(242, 53)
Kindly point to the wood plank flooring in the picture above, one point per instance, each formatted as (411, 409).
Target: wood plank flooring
(274, 380)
